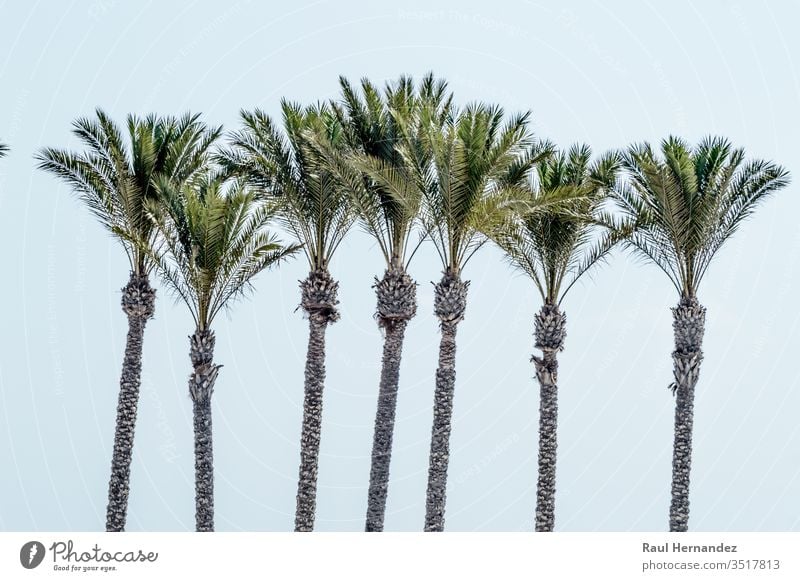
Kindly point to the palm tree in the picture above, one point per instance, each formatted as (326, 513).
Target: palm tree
(555, 247)
(312, 205)
(116, 181)
(3, 149)
(379, 127)
(214, 243)
(464, 168)
(682, 206)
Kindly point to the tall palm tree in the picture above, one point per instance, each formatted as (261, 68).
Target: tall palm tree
(214, 242)
(312, 205)
(465, 170)
(555, 247)
(379, 128)
(115, 181)
(682, 206)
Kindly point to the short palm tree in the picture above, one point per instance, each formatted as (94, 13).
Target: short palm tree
(380, 127)
(312, 205)
(465, 169)
(115, 181)
(555, 247)
(214, 241)
(682, 205)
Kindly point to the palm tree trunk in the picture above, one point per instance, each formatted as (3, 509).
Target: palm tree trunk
(138, 303)
(201, 387)
(450, 301)
(319, 300)
(550, 332)
(688, 323)
(397, 304)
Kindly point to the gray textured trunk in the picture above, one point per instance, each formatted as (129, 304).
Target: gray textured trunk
(138, 303)
(201, 387)
(319, 300)
(450, 300)
(550, 331)
(397, 304)
(688, 324)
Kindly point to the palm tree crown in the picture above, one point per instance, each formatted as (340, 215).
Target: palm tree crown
(683, 205)
(383, 135)
(3, 149)
(116, 181)
(478, 164)
(556, 245)
(287, 169)
(214, 242)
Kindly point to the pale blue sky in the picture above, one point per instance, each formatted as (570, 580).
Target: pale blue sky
(607, 73)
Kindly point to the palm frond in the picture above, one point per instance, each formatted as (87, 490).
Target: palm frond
(749, 185)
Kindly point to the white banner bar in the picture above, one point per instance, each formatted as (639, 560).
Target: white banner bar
(389, 556)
